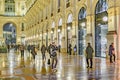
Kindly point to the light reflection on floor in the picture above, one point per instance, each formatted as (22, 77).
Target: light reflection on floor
(69, 68)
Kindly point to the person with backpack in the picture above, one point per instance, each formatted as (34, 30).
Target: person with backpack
(54, 55)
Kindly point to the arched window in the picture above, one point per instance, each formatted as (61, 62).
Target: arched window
(9, 7)
(70, 18)
(60, 22)
(82, 13)
(101, 6)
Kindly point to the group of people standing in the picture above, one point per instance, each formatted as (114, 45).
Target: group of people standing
(51, 49)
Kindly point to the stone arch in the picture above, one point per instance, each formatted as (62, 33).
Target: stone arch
(94, 5)
(70, 18)
(9, 32)
(101, 28)
(85, 6)
(69, 12)
(60, 21)
(10, 22)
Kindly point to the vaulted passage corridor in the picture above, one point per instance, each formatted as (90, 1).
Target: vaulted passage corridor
(70, 67)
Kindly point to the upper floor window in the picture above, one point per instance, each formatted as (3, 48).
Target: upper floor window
(82, 13)
(52, 6)
(58, 3)
(22, 29)
(101, 6)
(67, 3)
(9, 7)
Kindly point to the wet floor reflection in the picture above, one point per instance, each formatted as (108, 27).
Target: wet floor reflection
(69, 68)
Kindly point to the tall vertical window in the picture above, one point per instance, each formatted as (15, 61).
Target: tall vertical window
(67, 3)
(58, 4)
(22, 29)
(52, 6)
(9, 7)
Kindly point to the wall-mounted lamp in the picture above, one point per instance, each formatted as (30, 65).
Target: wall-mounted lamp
(45, 33)
(51, 31)
(68, 28)
(40, 35)
(105, 18)
(58, 30)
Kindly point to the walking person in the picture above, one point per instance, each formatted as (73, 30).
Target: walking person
(8, 47)
(70, 49)
(75, 50)
(34, 52)
(54, 55)
(49, 49)
(89, 55)
(43, 50)
(111, 52)
(59, 48)
(22, 51)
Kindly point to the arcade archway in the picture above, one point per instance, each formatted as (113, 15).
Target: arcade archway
(9, 33)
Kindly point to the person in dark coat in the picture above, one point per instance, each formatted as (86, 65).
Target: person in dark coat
(59, 48)
(33, 51)
(49, 50)
(89, 55)
(111, 52)
(43, 50)
(22, 50)
(70, 49)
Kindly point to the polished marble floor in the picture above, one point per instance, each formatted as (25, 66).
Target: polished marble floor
(13, 67)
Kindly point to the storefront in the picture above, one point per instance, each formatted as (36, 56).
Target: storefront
(82, 31)
(101, 28)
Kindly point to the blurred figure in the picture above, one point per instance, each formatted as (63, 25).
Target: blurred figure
(89, 55)
(49, 50)
(59, 48)
(22, 50)
(75, 50)
(28, 48)
(43, 50)
(111, 52)
(54, 55)
(8, 47)
(70, 49)
(33, 51)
